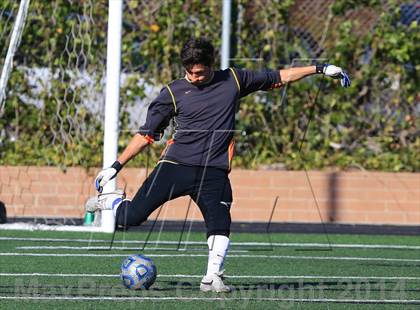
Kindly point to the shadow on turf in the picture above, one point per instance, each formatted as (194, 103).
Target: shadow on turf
(327, 286)
(118, 290)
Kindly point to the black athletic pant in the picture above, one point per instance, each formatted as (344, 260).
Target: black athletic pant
(208, 187)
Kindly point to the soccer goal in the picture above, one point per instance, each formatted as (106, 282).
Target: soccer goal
(74, 84)
(15, 36)
(59, 99)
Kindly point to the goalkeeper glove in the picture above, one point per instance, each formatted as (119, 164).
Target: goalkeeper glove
(334, 72)
(106, 175)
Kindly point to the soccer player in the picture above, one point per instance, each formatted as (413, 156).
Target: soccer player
(197, 160)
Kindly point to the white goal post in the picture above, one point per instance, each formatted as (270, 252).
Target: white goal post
(14, 42)
(112, 99)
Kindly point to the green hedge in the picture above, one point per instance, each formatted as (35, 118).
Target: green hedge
(373, 124)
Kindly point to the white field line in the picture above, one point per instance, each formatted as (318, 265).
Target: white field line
(145, 298)
(188, 276)
(274, 244)
(380, 259)
(44, 227)
(105, 248)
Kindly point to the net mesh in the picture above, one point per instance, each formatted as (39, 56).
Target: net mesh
(55, 96)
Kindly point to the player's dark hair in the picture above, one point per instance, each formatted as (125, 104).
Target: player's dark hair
(197, 51)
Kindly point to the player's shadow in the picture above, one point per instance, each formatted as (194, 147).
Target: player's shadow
(373, 286)
(170, 285)
(333, 286)
(268, 286)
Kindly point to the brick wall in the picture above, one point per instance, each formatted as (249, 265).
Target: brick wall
(343, 197)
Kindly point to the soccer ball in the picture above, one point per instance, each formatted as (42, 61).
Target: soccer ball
(138, 272)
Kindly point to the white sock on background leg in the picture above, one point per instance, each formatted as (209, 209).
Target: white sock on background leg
(218, 247)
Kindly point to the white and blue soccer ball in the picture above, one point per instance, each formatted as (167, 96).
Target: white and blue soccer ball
(138, 272)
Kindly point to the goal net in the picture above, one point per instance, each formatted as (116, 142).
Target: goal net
(52, 122)
(51, 131)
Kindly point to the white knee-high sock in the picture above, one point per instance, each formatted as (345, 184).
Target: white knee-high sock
(218, 247)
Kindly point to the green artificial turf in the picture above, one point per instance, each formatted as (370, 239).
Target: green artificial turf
(314, 276)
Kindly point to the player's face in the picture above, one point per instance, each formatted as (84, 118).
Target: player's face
(199, 74)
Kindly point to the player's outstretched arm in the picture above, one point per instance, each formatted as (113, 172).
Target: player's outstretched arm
(297, 73)
(135, 146)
